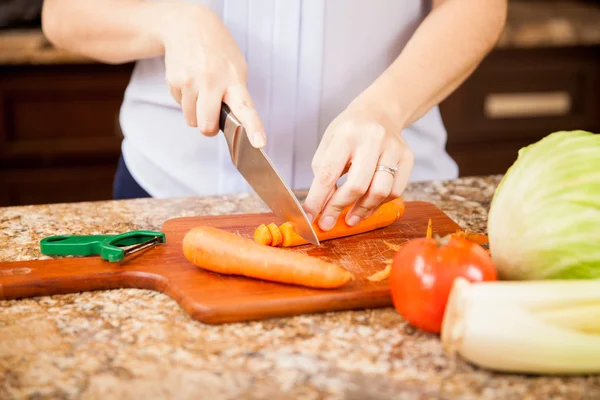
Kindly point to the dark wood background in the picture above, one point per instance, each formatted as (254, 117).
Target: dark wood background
(60, 136)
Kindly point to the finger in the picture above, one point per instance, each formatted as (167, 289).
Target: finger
(188, 105)
(327, 172)
(238, 99)
(176, 93)
(402, 175)
(208, 109)
(359, 178)
(325, 141)
(379, 190)
(309, 215)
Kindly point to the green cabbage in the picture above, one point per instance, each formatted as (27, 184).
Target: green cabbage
(544, 220)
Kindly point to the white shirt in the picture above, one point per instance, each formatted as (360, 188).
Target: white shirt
(307, 60)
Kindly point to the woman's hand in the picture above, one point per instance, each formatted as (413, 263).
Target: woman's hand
(205, 67)
(358, 140)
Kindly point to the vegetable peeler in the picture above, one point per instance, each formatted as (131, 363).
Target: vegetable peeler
(112, 248)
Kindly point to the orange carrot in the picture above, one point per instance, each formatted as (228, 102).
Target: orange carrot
(385, 215)
(262, 235)
(429, 233)
(227, 253)
(275, 233)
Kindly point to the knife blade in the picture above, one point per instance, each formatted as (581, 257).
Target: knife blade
(260, 173)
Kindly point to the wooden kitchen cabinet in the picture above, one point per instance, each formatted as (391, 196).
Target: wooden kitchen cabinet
(58, 184)
(59, 132)
(515, 98)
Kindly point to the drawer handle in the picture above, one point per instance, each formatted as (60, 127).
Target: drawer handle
(519, 105)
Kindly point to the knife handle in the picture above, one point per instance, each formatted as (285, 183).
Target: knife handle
(232, 129)
(226, 115)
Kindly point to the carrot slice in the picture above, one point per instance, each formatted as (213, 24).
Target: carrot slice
(385, 215)
(262, 235)
(275, 234)
(226, 253)
(289, 236)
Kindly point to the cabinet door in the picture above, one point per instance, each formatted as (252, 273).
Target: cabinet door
(515, 98)
(60, 115)
(59, 132)
(57, 185)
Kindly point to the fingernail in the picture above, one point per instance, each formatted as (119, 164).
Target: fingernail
(327, 223)
(353, 220)
(259, 139)
(310, 217)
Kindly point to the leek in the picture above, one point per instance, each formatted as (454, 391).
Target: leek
(539, 327)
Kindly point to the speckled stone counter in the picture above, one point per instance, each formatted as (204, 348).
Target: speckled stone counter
(138, 344)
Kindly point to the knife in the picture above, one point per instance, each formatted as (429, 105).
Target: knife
(260, 173)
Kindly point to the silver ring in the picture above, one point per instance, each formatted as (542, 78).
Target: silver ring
(390, 169)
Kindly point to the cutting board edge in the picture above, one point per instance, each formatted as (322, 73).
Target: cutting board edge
(408, 204)
(216, 316)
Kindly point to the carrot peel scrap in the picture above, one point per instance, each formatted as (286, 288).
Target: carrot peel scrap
(382, 274)
(429, 233)
(392, 246)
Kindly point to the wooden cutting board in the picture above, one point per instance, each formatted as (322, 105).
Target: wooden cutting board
(213, 298)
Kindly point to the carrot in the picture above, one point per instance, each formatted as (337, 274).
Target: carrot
(263, 235)
(275, 234)
(429, 232)
(227, 253)
(385, 215)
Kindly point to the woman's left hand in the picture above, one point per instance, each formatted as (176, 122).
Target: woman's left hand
(361, 138)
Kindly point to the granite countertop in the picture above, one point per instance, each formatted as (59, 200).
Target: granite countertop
(529, 24)
(138, 344)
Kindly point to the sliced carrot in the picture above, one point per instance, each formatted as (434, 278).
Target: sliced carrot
(429, 233)
(275, 234)
(262, 235)
(226, 253)
(289, 236)
(385, 215)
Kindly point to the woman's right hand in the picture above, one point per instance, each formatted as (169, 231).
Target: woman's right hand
(205, 67)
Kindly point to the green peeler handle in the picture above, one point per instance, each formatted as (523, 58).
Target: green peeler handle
(73, 245)
(109, 247)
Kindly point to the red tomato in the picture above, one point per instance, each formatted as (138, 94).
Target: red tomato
(423, 271)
